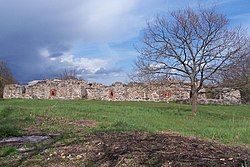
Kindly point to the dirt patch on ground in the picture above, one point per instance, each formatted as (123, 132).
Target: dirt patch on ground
(146, 149)
(85, 122)
(33, 129)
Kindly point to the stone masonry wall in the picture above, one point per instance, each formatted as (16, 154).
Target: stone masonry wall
(79, 89)
(47, 89)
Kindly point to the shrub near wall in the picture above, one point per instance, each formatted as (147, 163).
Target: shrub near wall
(245, 95)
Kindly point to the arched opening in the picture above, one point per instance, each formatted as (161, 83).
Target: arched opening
(84, 92)
(53, 92)
(167, 94)
(111, 94)
(23, 90)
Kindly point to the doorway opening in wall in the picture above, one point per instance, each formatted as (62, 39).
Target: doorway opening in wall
(111, 94)
(167, 94)
(23, 90)
(84, 93)
(53, 92)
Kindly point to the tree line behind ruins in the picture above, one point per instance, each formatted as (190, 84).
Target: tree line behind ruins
(198, 47)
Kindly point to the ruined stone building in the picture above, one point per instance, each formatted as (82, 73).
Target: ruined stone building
(79, 89)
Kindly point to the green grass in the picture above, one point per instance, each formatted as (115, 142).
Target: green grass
(226, 124)
(4, 151)
(12, 120)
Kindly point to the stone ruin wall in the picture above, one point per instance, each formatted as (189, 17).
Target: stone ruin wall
(79, 89)
(135, 92)
(46, 89)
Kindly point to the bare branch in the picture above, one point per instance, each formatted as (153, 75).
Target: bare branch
(193, 45)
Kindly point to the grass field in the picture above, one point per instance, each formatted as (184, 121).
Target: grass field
(95, 133)
(225, 124)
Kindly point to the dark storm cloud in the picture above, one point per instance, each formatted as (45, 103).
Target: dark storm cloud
(56, 54)
(27, 26)
(35, 33)
(37, 36)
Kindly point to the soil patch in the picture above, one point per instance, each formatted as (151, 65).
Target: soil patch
(146, 149)
(32, 129)
(85, 122)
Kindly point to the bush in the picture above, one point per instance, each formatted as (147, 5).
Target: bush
(7, 151)
(245, 95)
(12, 120)
(6, 77)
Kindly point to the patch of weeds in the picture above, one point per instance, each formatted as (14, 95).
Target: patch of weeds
(91, 164)
(153, 161)
(12, 121)
(5, 151)
(119, 126)
(38, 157)
(7, 130)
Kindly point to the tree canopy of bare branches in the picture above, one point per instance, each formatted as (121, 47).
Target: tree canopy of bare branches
(237, 76)
(191, 45)
(6, 77)
(68, 74)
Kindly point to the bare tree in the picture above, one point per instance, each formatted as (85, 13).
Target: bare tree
(190, 45)
(237, 76)
(6, 77)
(68, 74)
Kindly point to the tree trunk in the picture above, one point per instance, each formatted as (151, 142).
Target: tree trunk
(194, 97)
(194, 102)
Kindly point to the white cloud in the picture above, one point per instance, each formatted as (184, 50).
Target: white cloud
(44, 52)
(110, 20)
(37, 37)
(90, 64)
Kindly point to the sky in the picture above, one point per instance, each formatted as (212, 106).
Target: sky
(97, 38)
